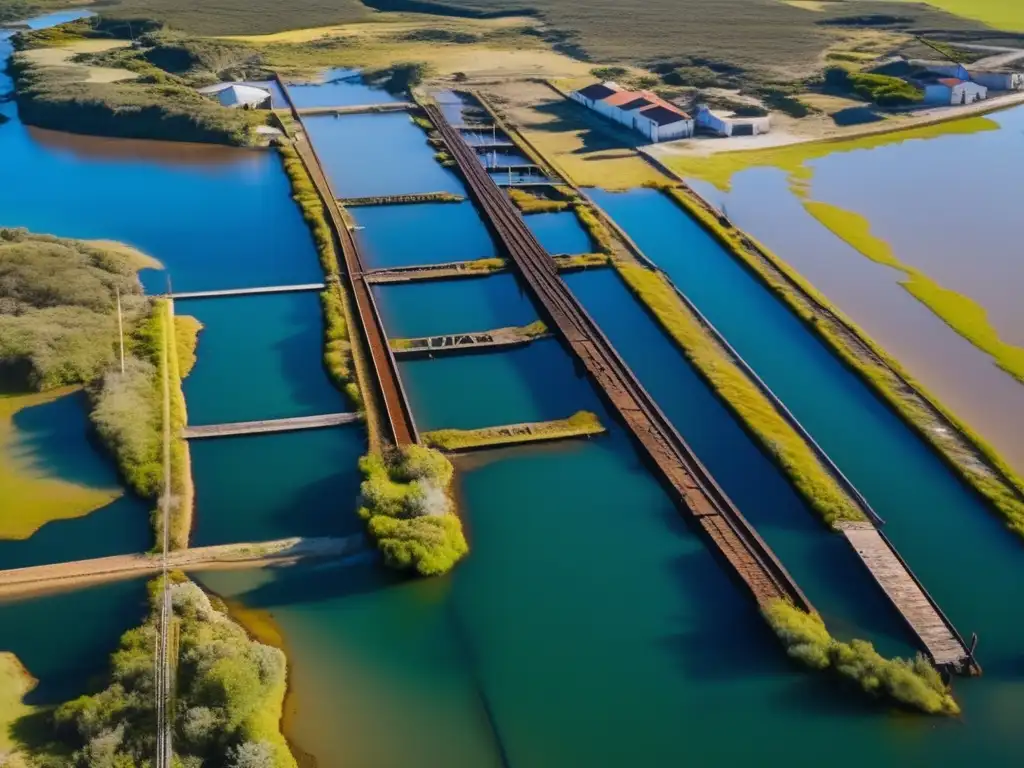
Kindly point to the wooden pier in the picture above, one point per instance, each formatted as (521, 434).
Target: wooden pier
(358, 109)
(464, 343)
(691, 486)
(249, 291)
(492, 145)
(926, 620)
(447, 271)
(269, 425)
(387, 388)
(422, 197)
(71, 575)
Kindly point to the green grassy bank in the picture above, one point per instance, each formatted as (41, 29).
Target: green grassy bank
(965, 451)
(156, 99)
(409, 514)
(914, 684)
(580, 424)
(755, 411)
(228, 697)
(340, 359)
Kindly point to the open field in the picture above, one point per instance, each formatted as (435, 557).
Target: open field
(1000, 14)
(477, 48)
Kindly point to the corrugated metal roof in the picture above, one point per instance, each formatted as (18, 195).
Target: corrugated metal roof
(596, 91)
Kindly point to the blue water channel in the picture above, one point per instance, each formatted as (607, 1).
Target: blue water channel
(560, 233)
(969, 562)
(338, 88)
(348, 148)
(443, 232)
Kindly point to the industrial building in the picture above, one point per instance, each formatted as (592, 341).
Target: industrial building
(722, 123)
(953, 90)
(642, 111)
(239, 95)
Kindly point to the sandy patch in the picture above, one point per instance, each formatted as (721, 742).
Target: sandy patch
(15, 683)
(387, 23)
(61, 57)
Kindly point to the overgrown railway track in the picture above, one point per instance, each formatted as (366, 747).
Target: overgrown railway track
(692, 487)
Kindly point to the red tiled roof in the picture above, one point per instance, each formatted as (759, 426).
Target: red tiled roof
(950, 81)
(643, 101)
(620, 98)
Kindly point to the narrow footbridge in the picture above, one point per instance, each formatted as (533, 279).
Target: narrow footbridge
(463, 343)
(445, 271)
(269, 425)
(357, 109)
(922, 614)
(249, 291)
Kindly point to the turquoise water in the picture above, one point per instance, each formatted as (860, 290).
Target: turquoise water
(215, 217)
(65, 640)
(560, 233)
(259, 357)
(822, 563)
(57, 437)
(271, 486)
(469, 304)
(347, 147)
(953, 542)
(340, 88)
(532, 383)
(385, 239)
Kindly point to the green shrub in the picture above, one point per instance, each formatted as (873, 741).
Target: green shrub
(228, 695)
(914, 683)
(398, 78)
(408, 512)
(883, 90)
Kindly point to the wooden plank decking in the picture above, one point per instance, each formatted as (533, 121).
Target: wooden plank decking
(445, 271)
(939, 638)
(269, 425)
(249, 291)
(456, 343)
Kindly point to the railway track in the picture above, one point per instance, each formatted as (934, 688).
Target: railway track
(692, 487)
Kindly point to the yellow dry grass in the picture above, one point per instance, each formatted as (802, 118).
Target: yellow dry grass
(389, 23)
(818, 6)
(62, 57)
(32, 496)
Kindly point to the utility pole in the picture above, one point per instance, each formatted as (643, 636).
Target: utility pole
(120, 329)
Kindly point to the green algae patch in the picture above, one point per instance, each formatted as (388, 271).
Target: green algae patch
(776, 436)
(718, 168)
(580, 424)
(408, 511)
(1007, 15)
(32, 495)
(962, 314)
(915, 684)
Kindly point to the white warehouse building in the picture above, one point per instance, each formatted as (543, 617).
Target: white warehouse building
(952, 90)
(641, 111)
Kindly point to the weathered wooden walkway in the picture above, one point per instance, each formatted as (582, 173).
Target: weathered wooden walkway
(249, 291)
(493, 145)
(446, 271)
(269, 425)
(357, 109)
(387, 389)
(43, 578)
(421, 197)
(463, 343)
(924, 617)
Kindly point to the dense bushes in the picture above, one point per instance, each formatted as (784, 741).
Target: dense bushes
(914, 683)
(408, 511)
(58, 322)
(883, 90)
(229, 692)
(398, 78)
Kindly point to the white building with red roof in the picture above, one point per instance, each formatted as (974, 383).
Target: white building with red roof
(642, 111)
(953, 90)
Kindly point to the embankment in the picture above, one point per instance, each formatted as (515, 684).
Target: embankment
(580, 424)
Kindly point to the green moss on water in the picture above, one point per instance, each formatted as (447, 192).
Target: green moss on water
(915, 684)
(405, 503)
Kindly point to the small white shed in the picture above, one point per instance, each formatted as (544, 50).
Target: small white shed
(950, 90)
(236, 95)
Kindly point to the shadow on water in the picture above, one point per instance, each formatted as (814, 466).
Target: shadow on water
(70, 662)
(272, 486)
(56, 437)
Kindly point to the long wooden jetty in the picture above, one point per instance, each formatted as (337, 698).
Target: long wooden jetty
(294, 424)
(356, 109)
(463, 343)
(445, 271)
(387, 385)
(691, 485)
(922, 614)
(249, 291)
(45, 578)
